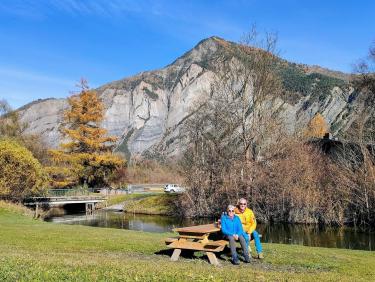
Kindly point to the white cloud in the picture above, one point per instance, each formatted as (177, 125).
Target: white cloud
(19, 86)
(42, 8)
(25, 75)
(107, 8)
(22, 8)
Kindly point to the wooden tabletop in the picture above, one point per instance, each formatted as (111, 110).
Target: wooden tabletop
(204, 229)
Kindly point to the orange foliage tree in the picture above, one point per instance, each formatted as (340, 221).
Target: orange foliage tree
(317, 127)
(87, 157)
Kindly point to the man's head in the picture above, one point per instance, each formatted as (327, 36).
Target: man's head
(230, 210)
(242, 204)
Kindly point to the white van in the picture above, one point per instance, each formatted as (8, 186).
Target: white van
(173, 188)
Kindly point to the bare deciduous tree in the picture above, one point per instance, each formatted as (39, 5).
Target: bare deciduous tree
(234, 125)
(359, 160)
(238, 147)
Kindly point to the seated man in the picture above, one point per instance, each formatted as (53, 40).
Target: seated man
(249, 224)
(232, 229)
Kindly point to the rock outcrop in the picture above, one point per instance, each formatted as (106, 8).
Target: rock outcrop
(146, 111)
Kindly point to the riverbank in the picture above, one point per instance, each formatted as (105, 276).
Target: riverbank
(150, 203)
(123, 199)
(36, 250)
(161, 204)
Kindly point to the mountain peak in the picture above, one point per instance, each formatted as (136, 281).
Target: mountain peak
(211, 40)
(202, 51)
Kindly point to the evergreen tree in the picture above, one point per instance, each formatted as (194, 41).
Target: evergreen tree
(87, 156)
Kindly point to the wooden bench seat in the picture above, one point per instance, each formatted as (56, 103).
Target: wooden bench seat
(226, 242)
(223, 242)
(170, 240)
(210, 246)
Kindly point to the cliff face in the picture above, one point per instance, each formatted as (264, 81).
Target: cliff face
(146, 111)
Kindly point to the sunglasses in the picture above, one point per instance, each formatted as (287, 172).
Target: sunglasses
(242, 204)
(230, 210)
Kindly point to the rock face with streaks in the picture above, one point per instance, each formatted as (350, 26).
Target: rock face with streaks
(147, 110)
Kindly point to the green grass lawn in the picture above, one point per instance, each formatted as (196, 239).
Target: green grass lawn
(146, 203)
(117, 199)
(32, 250)
(157, 204)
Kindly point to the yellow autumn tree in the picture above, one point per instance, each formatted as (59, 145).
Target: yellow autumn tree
(21, 175)
(11, 127)
(86, 158)
(317, 127)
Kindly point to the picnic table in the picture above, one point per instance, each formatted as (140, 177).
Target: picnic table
(195, 238)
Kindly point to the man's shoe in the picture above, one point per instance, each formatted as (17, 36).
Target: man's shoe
(260, 256)
(236, 262)
(247, 260)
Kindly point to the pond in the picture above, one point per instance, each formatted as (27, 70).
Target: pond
(308, 235)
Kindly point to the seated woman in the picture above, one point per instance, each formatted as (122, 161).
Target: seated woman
(231, 227)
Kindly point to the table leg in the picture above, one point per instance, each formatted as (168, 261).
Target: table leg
(176, 254)
(205, 239)
(212, 258)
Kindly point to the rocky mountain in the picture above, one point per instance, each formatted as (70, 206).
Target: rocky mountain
(147, 110)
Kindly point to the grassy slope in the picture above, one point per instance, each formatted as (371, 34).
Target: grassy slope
(118, 199)
(35, 250)
(162, 204)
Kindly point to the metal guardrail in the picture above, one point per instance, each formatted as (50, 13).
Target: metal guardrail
(55, 200)
(130, 188)
(69, 192)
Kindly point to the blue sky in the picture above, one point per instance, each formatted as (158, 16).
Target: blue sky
(47, 46)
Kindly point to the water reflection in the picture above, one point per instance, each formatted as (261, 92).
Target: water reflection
(317, 236)
(148, 223)
(308, 235)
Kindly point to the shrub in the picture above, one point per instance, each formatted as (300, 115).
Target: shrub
(21, 175)
(292, 182)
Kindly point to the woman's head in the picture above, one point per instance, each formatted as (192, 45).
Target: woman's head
(230, 210)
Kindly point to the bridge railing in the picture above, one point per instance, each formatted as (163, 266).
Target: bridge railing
(69, 192)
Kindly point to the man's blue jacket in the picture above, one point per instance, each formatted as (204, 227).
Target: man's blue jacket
(231, 226)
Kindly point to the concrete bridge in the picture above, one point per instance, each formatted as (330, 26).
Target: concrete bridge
(89, 201)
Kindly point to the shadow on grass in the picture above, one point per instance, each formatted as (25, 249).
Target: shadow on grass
(189, 254)
(225, 259)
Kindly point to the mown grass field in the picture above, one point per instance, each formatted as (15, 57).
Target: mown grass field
(117, 199)
(146, 203)
(32, 250)
(157, 204)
